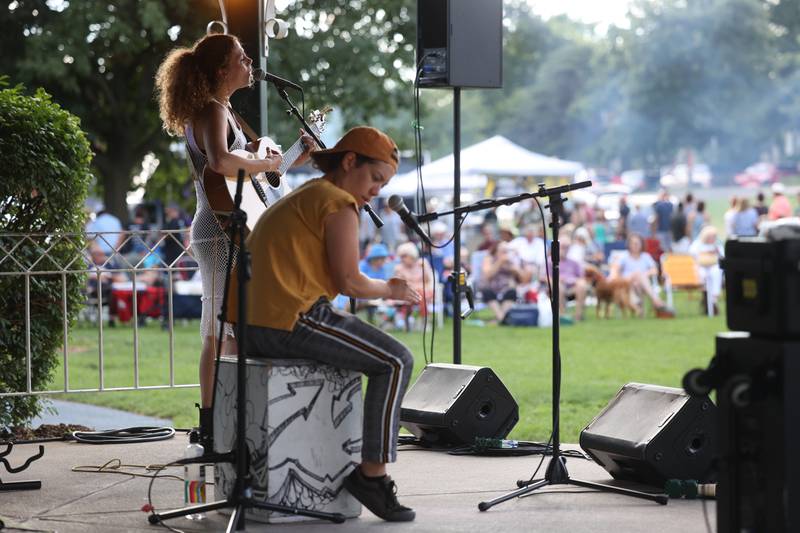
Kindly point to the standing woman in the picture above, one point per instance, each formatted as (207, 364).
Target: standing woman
(194, 86)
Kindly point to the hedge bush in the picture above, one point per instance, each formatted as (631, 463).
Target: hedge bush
(44, 178)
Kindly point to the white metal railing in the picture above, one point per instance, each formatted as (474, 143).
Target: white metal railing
(132, 254)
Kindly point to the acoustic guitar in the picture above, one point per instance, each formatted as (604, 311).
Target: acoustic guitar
(259, 191)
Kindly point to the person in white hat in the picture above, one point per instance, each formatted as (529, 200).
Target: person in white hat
(780, 206)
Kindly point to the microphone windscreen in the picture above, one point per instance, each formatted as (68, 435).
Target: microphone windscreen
(258, 74)
(395, 203)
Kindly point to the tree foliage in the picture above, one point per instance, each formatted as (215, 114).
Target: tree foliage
(697, 73)
(98, 60)
(719, 77)
(45, 160)
(355, 55)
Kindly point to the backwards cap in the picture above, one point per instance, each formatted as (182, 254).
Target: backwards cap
(368, 142)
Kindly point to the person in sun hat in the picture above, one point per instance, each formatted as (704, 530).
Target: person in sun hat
(305, 251)
(376, 263)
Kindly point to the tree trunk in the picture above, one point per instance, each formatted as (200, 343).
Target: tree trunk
(115, 171)
(115, 192)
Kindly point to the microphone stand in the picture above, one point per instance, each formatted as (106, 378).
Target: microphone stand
(556, 473)
(299, 116)
(241, 498)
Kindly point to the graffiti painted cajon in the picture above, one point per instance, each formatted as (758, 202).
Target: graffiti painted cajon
(303, 434)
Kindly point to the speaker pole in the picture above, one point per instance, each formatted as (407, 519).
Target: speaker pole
(456, 225)
(556, 473)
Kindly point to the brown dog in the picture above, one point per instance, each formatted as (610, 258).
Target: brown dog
(617, 291)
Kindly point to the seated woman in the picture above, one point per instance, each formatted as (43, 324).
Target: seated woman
(300, 268)
(501, 272)
(571, 280)
(418, 273)
(637, 267)
(104, 272)
(707, 251)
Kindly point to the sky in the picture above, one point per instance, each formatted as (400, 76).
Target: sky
(604, 12)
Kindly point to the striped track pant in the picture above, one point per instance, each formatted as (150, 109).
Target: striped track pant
(342, 340)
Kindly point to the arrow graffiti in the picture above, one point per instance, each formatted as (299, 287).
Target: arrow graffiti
(303, 411)
(352, 388)
(351, 446)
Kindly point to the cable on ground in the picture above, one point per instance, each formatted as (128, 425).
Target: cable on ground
(124, 435)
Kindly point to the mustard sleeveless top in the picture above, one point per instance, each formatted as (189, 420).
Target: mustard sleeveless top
(289, 262)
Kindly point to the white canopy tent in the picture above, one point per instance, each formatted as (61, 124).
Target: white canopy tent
(496, 156)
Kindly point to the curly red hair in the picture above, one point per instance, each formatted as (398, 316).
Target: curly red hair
(188, 78)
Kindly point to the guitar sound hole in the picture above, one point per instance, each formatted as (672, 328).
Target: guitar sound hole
(274, 180)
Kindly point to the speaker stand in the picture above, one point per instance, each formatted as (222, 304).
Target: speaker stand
(556, 473)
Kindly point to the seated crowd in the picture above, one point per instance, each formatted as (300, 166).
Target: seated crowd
(507, 261)
(117, 255)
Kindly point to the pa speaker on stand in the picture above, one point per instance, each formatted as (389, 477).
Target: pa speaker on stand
(450, 405)
(460, 43)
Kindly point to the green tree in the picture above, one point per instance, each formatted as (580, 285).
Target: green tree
(784, 15)
(98, 60)
(45, 160)
(355, 55)
(700, 76)
(548, 103)
(527, 42)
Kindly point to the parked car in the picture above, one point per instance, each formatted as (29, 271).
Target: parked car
(678, 175)
(757, 175)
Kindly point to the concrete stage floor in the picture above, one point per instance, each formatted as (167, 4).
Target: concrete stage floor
(443, 489)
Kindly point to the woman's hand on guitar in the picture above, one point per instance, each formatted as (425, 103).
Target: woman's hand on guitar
(400, 290)
(272, 161)
(309, 145)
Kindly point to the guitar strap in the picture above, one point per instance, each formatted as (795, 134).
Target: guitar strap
(250, 132)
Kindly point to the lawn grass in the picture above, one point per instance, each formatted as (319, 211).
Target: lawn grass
(598, 357)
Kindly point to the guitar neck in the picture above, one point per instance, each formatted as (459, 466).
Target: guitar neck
(294, 151)
(290, 156)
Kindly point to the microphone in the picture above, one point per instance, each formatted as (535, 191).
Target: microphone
(280, 83)
(373, 215)
(397, 205)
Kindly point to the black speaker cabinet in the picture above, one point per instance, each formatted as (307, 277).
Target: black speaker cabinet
(460, 43)
(453, 404)
(759, 431)
(650, 434)
(762, 286)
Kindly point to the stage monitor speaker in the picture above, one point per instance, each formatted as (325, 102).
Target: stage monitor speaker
(452, 404)
(651, 434)
(460, 43)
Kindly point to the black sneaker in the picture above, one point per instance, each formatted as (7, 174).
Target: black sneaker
(379, 496)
